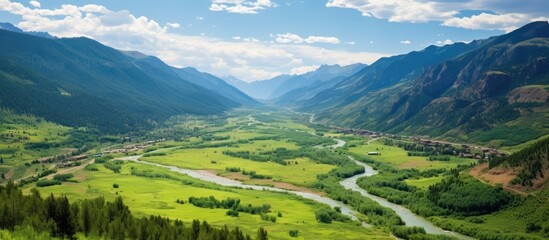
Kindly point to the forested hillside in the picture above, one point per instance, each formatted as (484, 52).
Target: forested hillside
(531, 163)
(492, 91)
(80, 82)
(26, 92)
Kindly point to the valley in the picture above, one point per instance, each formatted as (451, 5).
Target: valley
(268, 157)
(382, 133)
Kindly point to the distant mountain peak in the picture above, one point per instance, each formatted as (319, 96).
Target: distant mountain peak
(10, 27)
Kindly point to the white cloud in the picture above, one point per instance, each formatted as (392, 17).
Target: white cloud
(303, 69)
(405, 42)
(241, 6)
(173, 25)
(397, 10)
(294, 38)
(350, 43)
(507, 22)
(246, 59)
(288, 38)
(505, 15)
(321, 39)
(35, 4)
(199, 18)
(250, 39)
(445, 42)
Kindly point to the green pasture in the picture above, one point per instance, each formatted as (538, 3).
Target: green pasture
(302, 173)
(424, 183)
(399, 158)
(157, 196)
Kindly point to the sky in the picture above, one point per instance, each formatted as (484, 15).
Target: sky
(260, 39)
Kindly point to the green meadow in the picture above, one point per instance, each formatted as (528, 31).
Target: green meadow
(302, 173)
(399, 158)
(158, 196)
(423, 183)
(24, 139)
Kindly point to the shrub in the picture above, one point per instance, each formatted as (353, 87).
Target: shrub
(323, 216)
(405, 232)
(91, 168)
(294, 233)
(476, 220)
(46, 183)
(533, 227)
(115, 185)
(112, 166)
(63, 177)
(154, 154)
(232, 213)
(103, 159)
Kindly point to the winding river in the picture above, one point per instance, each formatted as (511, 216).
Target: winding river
(210, 177)
(406, 215)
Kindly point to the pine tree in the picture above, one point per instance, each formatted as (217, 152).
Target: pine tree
(262, 234)
(85, 220)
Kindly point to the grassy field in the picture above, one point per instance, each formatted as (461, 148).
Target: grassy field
(157, 196)
(399, 158)
(16, 133)
(302, 173)
(423, 183)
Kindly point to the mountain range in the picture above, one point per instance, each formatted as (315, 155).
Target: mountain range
(102, 87)
(275, 88)
(493, 91)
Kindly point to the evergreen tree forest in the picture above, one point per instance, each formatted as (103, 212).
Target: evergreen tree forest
(97, 218)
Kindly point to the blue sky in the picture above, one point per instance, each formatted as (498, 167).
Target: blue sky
(259, 39)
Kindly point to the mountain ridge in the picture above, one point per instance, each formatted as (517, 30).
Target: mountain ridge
(465, 91)
(144, 86)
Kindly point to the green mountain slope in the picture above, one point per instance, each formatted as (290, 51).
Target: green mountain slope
(27, 92)
(383, 74)
(141, 88)
(492, 91)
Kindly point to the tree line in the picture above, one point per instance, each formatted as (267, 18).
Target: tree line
(97, 218)
(229, 203)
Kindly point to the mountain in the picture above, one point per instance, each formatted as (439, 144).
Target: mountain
(234, 81)
(215, 84)
(141, 87)
(276, 87)
(492, 91)
(321, 74)
(301, 88)
(11, 27)
(258, 89)
(161, 70)
(385, 73)
(27, 92)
